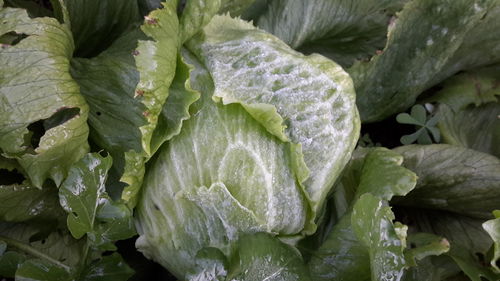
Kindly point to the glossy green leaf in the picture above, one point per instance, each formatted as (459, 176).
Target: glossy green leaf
(263, 257)
(493, 229)
(372, 223)
(43, 116)
(390, 82)
(342, 256)
(90, 209)
(107, 268)
(95, 24)
(452, 178)
(344, 31)
(307, 100)
(222, 175)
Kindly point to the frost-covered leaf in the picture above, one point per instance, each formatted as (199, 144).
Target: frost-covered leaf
(42, 114)
(307, 100)
(452, 178)
(222, 175)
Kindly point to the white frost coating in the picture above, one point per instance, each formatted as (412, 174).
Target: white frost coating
(313, 95)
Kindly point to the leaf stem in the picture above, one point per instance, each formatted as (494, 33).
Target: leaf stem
(34, 252)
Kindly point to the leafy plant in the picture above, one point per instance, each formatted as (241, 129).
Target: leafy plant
(424, 123)
(219, 137)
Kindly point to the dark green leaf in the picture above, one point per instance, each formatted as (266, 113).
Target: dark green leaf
(21, 202)
(344, 31)
(452, 178)
(39, 270)
(107, 268)
(261, 256)
(95, 24)
(391, 81)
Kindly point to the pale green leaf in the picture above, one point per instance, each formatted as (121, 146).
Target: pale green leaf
(308, 100)
(43, 116)
(224, 174)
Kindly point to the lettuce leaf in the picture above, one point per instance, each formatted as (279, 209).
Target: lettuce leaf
(43, 116)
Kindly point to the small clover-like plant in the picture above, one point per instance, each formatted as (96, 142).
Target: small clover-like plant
(425, 123)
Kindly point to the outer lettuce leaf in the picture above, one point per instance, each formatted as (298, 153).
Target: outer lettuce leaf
(468, 104)
(343, 256)
(224, 174)
(344, 31)
(156, 62)
(308, 100)
(108, 84)
(391, 81)
(95, 24)
(452, 178)
(38, 94)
